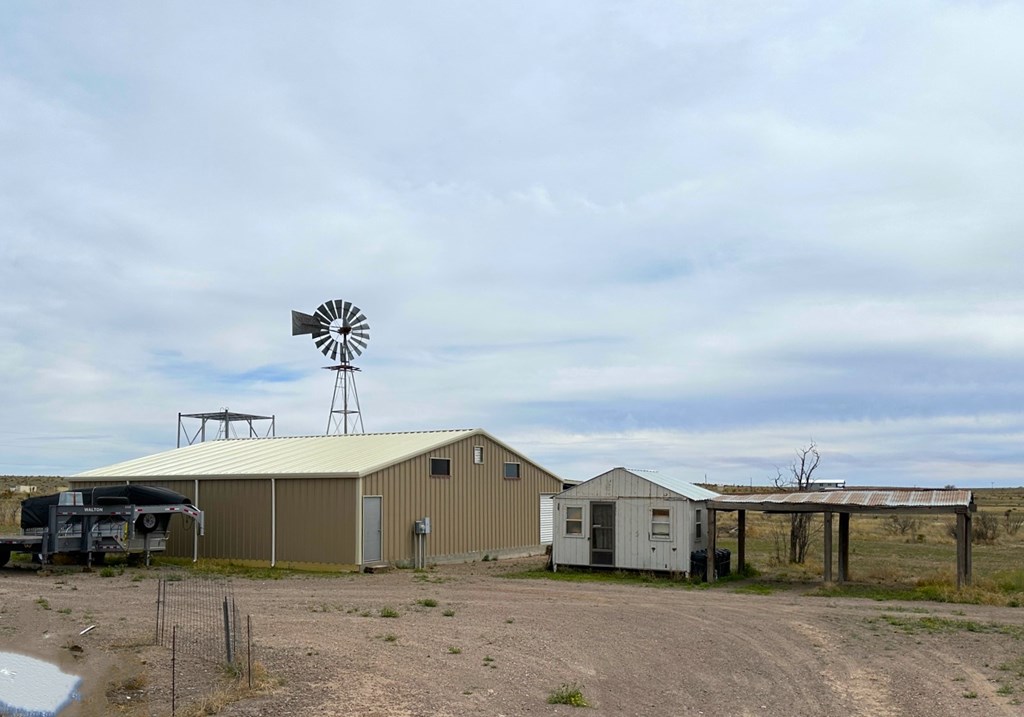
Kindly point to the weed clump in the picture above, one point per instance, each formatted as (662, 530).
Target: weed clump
(569, 693)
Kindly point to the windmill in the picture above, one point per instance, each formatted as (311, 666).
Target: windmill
(339, 329)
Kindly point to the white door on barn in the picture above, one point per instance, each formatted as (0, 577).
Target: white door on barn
(547, 518)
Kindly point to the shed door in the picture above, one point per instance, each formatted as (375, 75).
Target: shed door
(371, 529)
(602, 534)
(547, 518)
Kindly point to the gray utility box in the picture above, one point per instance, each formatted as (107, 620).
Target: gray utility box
(421, 526)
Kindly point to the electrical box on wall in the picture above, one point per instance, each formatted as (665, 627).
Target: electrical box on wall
(421, 526)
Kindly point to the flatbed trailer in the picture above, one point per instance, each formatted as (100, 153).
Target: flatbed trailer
(92, 531)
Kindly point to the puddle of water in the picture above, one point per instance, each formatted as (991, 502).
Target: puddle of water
(33, 687)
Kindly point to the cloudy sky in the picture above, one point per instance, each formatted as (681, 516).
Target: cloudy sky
(690, 236)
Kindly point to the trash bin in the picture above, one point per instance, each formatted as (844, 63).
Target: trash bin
(699, 562)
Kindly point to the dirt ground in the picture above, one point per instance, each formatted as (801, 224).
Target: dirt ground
(499, 646)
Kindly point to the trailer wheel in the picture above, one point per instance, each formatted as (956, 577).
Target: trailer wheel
(5, 555)
(146, 523)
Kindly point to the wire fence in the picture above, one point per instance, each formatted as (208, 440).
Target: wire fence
(199, 618)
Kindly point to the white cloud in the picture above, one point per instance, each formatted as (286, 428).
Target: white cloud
(682, 235)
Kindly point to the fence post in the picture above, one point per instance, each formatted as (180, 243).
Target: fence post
(227, 631)
(248, 645)
(174, 656)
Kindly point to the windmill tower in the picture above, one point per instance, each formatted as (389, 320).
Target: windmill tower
(339, 329)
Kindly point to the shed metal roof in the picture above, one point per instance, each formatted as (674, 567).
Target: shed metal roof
(850, 500)
(343, 456)
(676, 485)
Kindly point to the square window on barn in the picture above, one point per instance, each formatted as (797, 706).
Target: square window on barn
(512, 471)
(574, 520)
(698, 529)
(440, 467)
(478, 454)
(661, 527)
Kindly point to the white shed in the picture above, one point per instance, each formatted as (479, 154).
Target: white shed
(633, 519)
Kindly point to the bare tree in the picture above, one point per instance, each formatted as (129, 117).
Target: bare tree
(800, 478)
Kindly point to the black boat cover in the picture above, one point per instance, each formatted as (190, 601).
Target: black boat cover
(35, 512)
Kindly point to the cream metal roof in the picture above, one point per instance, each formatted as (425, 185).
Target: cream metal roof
(676, 485)
(840, 501)
(344, 456)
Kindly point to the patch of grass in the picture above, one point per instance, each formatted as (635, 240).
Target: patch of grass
(970, 695)
(1014, 666)
(65, 611)
(598, 575)
(449, 613)
(755, 589)
(1005, 690)
(43, 603)
(510, 620)
(452, 650)
(107, 572)
(932, 624)
(388, 612)
(488, 659)
(568, 693)
(427, 602)
(232, 690)
(391, 637)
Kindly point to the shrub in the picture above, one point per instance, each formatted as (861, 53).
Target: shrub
(568, 693)
(427, 602)
(388, 612)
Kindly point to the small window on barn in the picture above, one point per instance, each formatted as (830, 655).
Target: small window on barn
(697, 524)
(478, 454)
(573, 520)
(440, 467)
(511, 471)
(661, 528)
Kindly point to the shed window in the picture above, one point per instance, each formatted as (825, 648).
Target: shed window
(440, 467)
(661, 527)
(574, 520)
(478, 454)
(511, 471)
(697, 525)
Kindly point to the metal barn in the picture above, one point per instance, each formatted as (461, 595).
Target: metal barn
(349, 501)
(633, 519)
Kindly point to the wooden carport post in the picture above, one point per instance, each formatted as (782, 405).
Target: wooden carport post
(963, 549)
(828, 547)
(712, 536)
(844, 547)
(741, 539)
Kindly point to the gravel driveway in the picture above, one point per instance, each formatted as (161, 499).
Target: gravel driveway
(498, 646)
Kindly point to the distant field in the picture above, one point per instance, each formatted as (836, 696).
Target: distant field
(10, 501)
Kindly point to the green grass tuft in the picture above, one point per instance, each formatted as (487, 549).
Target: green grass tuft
(568, 694)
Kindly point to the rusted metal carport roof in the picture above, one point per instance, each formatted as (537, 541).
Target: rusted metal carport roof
(851, 501)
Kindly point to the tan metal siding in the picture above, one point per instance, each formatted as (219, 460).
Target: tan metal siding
(316, 520)
(474, 511)
(237, 519)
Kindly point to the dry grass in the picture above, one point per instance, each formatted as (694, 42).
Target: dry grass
(235, 689)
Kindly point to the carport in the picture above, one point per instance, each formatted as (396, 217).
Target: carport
(845, 503)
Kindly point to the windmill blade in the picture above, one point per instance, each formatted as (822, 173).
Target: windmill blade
(347, 307)
(303, 323)
(357, 318)
(324, 342)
